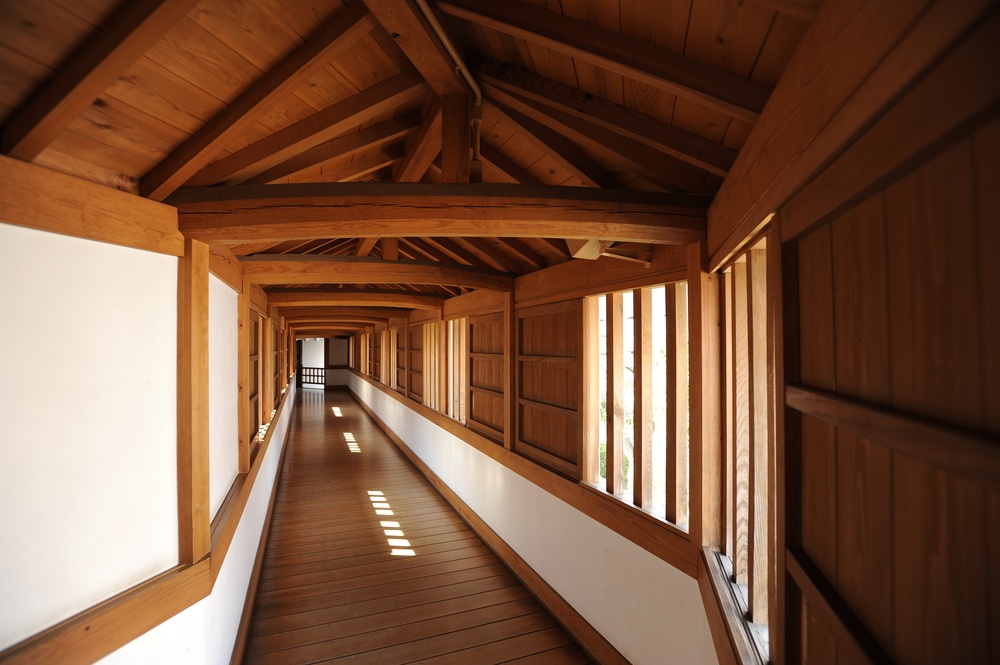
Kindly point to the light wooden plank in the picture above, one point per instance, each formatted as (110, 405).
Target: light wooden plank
(711, 86)
(38, 198)
(322, 126)
(282, 212)
(742, 425)
(760, 529)
(125, 40)
(615, 407)
(642, 460)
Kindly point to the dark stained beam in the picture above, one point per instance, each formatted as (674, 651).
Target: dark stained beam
(501, 162)
(337, 148)
(581, 105)
(705, 84)
(456, 137)
(371, 210)
(282, 269)
(320, 127)
(334, 37)
(422, 146)
(557, 146)
(133, 32)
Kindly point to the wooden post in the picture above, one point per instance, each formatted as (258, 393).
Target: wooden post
(192, 403)
(456, 156)
(590, 468)
(243, 379)
(510, 372)
(642, 455)
(615, 407)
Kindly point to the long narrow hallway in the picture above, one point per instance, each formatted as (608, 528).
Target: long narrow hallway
(366, 563)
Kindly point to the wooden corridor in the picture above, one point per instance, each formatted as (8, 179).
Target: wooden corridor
(366, 563)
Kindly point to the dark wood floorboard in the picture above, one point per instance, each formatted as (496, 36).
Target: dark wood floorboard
(331, 588)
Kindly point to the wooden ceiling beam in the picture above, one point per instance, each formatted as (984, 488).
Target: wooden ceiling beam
(408, 27)
(349, 169)
(455, 251)
(660, 169)
(281, 269)
(705, 84)
(353, 298)
(338, 148)
(422, 146)
(365, 246)
(456, 139)
(501, 162)
(489, 246)
(557, 146)
(581, 105)
(133, 32)
(335, 36)
(322, 126)
(371, 210)
(522, 249)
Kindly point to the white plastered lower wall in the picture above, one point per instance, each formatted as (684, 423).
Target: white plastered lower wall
(647, 609)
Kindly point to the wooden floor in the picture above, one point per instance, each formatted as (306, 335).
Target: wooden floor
(337, 585)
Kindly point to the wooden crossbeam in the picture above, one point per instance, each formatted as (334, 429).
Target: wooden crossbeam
(581, 105)
(504, 164)
(282, 269)
(338, 34)
(337, 148)
(422, 147)
(322, 126)
(362, 311)
(353, 298)
(705, 84)
(557, 146)
(408, 27)
(323, 210)
(140, 25)
(365, 246)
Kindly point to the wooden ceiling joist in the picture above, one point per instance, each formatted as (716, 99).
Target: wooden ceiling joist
(660, 169)
(313, 130)
(338, 34)
(322, 210)
(408, 27)
(705, 84)
(365, 246)
(353, 169)
(353, 298)
(668, 139)
(503, 163)
(455, 251)
(341, 311)
(557, 146)
(279, 269)
(339, 147)
(422, 146)
(489, 247)
(139, 26)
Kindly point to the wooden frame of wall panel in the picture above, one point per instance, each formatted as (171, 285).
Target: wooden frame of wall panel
(476, 358)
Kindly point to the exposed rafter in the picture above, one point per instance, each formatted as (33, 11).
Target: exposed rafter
(281, 212)
(422, 146)
(317, 128)
(712, 86)
(337, 35)
(501, 162)
(140, 25)
(280, 269)
(582, 106)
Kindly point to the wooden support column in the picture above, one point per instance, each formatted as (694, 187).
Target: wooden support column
(509, 372)
(267, 370)
(443, 364)
(677, 403)
(390, 249)
(615, 407)
(456, 155)
(243, 380)
(706, 394)
(642, 455)
(591, 472)
(192, 403)
(759, 440)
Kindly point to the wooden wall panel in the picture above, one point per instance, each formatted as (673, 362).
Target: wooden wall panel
(897, 311)
(486, 375)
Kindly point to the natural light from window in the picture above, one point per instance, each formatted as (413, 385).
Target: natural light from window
(399, 546)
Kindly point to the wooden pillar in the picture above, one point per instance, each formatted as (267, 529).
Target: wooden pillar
(243, 379)
(510, 352)
(192, 403)
(615, 406)
(456, 156)
(642, 455)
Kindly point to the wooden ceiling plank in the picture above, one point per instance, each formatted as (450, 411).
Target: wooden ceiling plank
(490, 247)
(558, 147)
(456, 137)
(522, 249)
(581, 105)
(341, 146)
(322, 126)
(338, 34)
(660, 169)
(803, 9)
(365, 246)
(335, 270)
(705, 84)
(422, 146)
(501, 162)
(320, 210)
(140, 25)
(456, 252)
(408, 27)
(419, 251)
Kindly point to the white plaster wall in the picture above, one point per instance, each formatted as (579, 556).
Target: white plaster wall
(88, 477)
(313, 353)
(223, 390)
(205, 633)
(642, 605)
